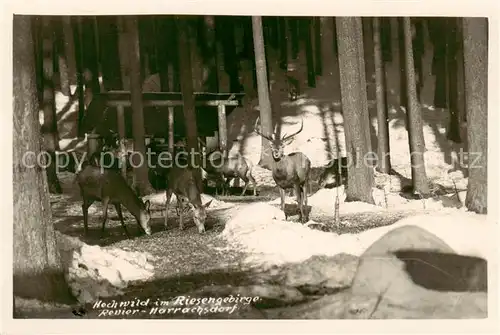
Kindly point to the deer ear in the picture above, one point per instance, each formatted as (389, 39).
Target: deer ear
(147, 204)
(207, 204)
(287, 141)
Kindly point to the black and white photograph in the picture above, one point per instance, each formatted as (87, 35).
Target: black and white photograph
(242, 167)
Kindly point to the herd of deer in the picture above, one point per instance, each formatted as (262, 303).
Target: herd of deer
(108, 186)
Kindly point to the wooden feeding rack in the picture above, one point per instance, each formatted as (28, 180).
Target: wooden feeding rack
(224, 102)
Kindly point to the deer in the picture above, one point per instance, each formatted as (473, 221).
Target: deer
(226, 168)
(182, 183)
(289, 171)
(108, 186)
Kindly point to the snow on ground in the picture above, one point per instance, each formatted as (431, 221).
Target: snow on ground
(94, 272)
(270, 240)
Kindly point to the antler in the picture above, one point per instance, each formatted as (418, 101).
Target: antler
(292, 135)
(258, 132)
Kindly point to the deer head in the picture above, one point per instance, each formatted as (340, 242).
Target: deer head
(278, 144)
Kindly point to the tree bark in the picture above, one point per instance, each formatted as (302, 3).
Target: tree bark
(69, 48)
(283, 42)
(123, 53)
(306, 37)
(77, 35)
(266, 118)
(294, 36)
(108, 36)
(225, 29)
(437, 30)
(189, 107)
(37, 268)
(414, 116)
(453, 85)
(60, 54)
(355, 108)
(208, 46)
(49, 127)
(90, 54)
(317, 46)
(403, 94)
(141, 180)
(475, 32)
(384, 159)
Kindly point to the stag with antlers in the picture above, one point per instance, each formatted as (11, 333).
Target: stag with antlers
(289, 171)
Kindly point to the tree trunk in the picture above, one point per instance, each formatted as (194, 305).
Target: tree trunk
(283, 42)
(208, 46)
(37, 268)
(414, 116)
(90, 54)
(60, 53)
(69, 48)
(384, 159)
(294, 36)
(141, 180)
(437, 30)
(461, 83)
(108, 36)
(123, 53)
(475, 32)
(317, 46)
(355, 108)
(266, 118)
(403, 94)
(418, 52)
(189, 108)
(453, 85)
(49, 127)
(226, 32)
(306, 37)
(77, 35)
(161, 36)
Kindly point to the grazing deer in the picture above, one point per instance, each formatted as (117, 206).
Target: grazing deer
(108, 186)
(289, 171)
(182, 183)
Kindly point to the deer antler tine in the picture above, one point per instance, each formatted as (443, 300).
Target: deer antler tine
(258, 132)
(293, 134)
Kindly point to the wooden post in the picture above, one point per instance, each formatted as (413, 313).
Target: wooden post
(120, 115)
(221, 111)
(171, 129)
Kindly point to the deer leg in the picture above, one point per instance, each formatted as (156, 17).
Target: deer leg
(298, 194)
(105, 203)
(120, 216)
(226, 183)
(282, 195)
(168, 195)
(246, 180)
(85, 209)
(181, 220)
(254, 184)
(305, 215)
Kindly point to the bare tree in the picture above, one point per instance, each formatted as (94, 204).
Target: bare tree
(38, 272)
(266, 118)
(384, 160)
(49, 127)
(475, 32)
(141, 180)
(355, 108)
